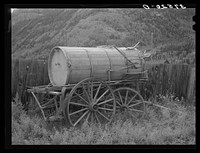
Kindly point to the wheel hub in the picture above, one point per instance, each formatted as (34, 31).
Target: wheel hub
(93, 107)
(123, 108)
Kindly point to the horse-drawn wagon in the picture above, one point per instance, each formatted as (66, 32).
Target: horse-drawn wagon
(92, 84)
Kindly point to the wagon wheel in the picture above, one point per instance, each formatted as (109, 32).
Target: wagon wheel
(90, 101)
(130, 101)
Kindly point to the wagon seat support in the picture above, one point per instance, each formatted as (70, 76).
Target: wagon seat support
(51, 103)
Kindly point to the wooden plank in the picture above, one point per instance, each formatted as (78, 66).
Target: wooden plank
(185, 80)
(47, 81)
(28, 67)
(172, 79)
(44, 72)
(191, 86)
(40, 73)
(15, 76)
(165, 80)
(31, 74)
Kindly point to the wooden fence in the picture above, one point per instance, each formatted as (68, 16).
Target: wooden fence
(28, 73)
(176, 79)
(163, 78)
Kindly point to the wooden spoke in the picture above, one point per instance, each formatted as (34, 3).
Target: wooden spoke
(126, 96)
(118, 103)
(120, 97)
(78, 104)
(97, 92)
(103, 115)
(80, 118)
(78, 111)
(86, 93)
(88, 89)
(132, 98)
(81, 98)
(91, 85)
(136, 110)
(105, 109)
(135, 104)
(74, 96)
(88, 116)
(97, 117)
(102, 95)
(104, 102)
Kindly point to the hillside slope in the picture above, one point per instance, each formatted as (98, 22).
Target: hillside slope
(36, 31)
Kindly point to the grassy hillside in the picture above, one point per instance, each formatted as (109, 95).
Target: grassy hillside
(36, 31)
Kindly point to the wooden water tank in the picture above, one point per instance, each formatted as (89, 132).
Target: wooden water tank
(69, 65)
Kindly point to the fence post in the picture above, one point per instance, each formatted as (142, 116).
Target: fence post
(191, 84)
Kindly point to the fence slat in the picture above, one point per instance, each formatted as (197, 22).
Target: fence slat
(191, 86)
(177, 79)
(15, 76)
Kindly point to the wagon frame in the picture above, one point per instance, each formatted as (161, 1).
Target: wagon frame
(90, 99)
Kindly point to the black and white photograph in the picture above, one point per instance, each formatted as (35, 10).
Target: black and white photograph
(103, 75)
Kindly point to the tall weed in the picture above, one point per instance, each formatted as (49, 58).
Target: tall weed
(175, 125)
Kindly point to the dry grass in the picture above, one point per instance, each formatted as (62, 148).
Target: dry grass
(159, 126)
